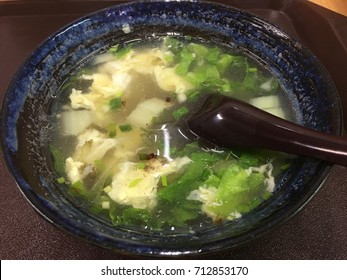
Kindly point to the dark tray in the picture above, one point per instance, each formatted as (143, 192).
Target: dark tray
(317, 232)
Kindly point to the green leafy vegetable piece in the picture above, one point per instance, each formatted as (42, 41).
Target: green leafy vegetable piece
(177, 215)
(205, 157)
(236, 191)
(180, 189)
(180, 112)
(186, 59)
(221, 166)
(173, 45)
(118, 51)
(224, 62)
(95, 208)
(198, 49)
(248, 160)
(77, 189)
(114, 214)
(58, 160)
(267, 195)
(186, 211)
(213, 55)
(135, 216)
(212, 181)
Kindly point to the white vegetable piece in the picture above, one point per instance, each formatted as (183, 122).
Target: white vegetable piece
(144, 112)
(75, 121)
(266, 102)
(278, 112)
(270, 104)
(268, 84)
(102, 58)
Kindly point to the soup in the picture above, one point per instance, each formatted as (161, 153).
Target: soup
(118, 150)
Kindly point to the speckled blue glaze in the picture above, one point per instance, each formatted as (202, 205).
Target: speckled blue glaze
(27, 102)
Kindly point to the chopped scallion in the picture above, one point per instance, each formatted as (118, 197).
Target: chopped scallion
(112, 130)
(61, 180)
(141, 165)
(163, 180)
(115, 103)
(119, 52)
(77, 188)
(125, 127)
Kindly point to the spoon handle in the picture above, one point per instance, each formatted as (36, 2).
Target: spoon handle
(227, 122)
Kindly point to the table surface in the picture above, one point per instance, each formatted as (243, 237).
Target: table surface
(319, 231)
(338, 6)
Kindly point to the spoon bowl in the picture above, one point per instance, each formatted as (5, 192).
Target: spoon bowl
(227, 122)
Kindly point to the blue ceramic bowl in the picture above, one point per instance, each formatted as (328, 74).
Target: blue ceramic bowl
(26, 114)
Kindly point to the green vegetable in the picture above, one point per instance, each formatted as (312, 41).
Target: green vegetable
(77, 189)
(181, 213)
(58, 160)
(236, 191)
(180, 189)
(230, 176)
(141, 165)
(186, 59)
(61, 180)
(125, 127)
(133, 216)
(112, 130)
(118, 51)
(121, 215)
(198, 50)
(115, 103)
(224, 62)
(212, 181)
(173, 45)
(213, 55)
(100, 166)
(180, 112)
(163, 180)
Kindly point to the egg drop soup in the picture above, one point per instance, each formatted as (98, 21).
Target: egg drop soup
(115, 146)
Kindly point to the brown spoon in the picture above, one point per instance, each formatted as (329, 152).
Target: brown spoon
(227, 122)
